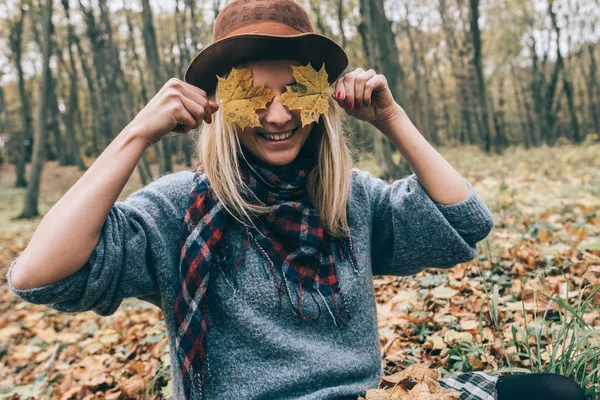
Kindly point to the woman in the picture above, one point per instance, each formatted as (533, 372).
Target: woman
(262, 258)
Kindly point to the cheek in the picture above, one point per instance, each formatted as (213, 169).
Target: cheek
(247, 135)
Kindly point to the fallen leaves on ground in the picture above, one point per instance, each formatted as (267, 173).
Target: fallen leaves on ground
(417, 382)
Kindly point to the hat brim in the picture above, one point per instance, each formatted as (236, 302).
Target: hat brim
(219, 57)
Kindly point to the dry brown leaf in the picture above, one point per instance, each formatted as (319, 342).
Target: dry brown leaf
(133, 387)
(415, 373)
(376, 394)
(417, 382)
(437, 342)
(475, 362)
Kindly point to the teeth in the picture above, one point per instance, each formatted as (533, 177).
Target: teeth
(277, 137)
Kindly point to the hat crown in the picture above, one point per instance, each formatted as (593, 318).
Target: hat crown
(242, 13)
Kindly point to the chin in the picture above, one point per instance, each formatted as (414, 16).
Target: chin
(280, 160)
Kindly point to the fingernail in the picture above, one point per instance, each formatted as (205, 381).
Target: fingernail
(340, 95)
(210, 119)
(358, 107)
(349, 105)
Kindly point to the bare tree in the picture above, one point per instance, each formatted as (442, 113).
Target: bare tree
(379, 42)
(72, 114)
(567, 86)
(143, 166)
(477, 62)
(157, 79)
(22, 137)
(30, 209)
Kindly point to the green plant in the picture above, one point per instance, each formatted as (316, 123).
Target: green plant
(461, 354)
(565, 344)
(422, 332)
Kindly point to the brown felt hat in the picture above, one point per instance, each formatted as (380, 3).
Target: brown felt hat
(251, 30)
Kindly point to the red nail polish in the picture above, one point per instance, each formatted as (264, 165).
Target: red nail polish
(340, 95)
(209, 119)
(349, 106)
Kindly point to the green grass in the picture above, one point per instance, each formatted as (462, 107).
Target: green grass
(560, 342)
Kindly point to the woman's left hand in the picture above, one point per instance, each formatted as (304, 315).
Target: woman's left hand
(366, 96)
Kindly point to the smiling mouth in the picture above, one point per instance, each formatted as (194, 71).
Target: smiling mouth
(280, 137)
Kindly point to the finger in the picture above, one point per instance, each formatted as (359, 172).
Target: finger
(376, 82)
(192, 88)
(184, 89)
(348, 82)
(359, 88)
(339, 93)
(193, 114)
(197, 95)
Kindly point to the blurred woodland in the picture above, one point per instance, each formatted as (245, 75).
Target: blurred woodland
(491, 74)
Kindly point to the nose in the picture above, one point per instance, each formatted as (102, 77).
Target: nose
(276, 113)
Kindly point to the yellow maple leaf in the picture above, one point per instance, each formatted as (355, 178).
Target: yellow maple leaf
(309, 93)
(241, 98)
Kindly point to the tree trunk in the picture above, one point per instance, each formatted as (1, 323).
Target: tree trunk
(180, 29)
(96, 105)
(567, 87)
(53, 121)
(340, 15)
(117, 83)
(196, 36)
(477, 63)
(445, 110)
(460, 73)
(23, 140)
(432, 118)
(499, 118)
(321, 26)
(5, 126)
(30, 208)
(594, 85)
(102, 76)
(143, 167)
(382, 54)
(73, 115)
(53, 113)
(157, 80)
(521, 103)
(550, 110)
(416, 100)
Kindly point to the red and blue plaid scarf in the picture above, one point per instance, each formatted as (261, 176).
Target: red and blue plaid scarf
(291, 238)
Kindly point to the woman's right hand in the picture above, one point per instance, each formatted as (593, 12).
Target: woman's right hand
(177, 107)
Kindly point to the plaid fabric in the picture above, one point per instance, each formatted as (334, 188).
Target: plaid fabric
(473, 385)
(290, 238)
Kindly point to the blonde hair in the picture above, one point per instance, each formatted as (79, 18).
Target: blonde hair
(328, 184)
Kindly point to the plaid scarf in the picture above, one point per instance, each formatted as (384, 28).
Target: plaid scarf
(291, 239)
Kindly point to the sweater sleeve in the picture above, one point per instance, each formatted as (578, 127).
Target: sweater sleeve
(410, 231)
(138, 239)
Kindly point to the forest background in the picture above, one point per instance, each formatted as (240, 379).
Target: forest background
(508, 91)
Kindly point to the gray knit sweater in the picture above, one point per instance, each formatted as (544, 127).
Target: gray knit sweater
(258, 348)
